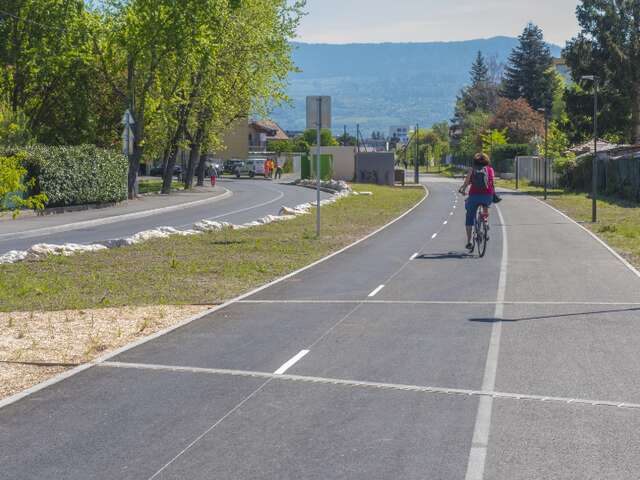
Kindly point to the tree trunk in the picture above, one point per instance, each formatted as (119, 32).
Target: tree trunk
(167, 177)
(635, 113)
(201, 165)
(194, 156)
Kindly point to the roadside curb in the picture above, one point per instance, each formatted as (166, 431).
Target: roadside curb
(64, 375)
(114, 218)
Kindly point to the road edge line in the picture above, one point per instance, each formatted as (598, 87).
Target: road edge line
(64, 375)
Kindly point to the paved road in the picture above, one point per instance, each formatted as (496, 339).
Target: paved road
(376, 364)
(251, 199)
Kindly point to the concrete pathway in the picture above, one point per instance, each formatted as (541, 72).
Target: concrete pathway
(400, 358)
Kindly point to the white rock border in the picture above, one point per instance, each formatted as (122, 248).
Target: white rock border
(42, 250)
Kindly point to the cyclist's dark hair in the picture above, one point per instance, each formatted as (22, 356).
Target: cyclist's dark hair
(481, 160)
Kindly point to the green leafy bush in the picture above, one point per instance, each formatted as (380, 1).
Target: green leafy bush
(76, 175)
(503, 156)
(13, 186)
(565, 168)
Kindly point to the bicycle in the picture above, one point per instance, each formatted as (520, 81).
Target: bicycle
(481, 230)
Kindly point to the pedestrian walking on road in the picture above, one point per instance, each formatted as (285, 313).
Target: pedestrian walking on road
(278, 169)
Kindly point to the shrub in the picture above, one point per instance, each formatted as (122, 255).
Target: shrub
(503, 156)
(13, 186)
(76, 175)
(565, 168)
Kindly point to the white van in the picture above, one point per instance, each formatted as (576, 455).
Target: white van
(252, 167)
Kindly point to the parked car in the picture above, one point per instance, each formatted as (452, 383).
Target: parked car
(230, 166)
(159, 170)
(251, 168)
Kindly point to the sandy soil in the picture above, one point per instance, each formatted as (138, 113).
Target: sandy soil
(72, 337)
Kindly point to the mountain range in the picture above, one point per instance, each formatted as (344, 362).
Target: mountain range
(385, 84)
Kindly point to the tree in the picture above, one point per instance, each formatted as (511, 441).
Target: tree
(527, 74)
(482, 94)
(13, 188)
(347, 140)
(521, 122)
(608, 45)
(326, 138)
(46, 68)
(479, 71)
(493, 138)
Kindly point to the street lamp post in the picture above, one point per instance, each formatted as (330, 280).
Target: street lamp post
(319, 150)
(416, 165)
(546, 149)
(594, 180)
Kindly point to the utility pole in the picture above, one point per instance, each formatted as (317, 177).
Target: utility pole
(416, 163)
(319, 137)
(358, 136)
(594, 179)
(546, 148)
(344, 137)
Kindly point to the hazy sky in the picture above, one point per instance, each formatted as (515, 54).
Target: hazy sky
(344, 21)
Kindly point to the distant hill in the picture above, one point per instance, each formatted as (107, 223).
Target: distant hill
(379, 85)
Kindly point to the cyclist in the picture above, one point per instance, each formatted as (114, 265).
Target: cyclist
(480, 177)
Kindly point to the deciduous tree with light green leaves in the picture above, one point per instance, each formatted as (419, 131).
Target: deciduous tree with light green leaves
(13, 186)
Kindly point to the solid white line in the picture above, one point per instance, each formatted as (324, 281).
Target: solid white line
(362, 383)
(414, 256)
(107, 356)
(376, 291)
(480, 442)
(290, 363)
(69, 227)
(434, 236)
(442, 302)
(258, 205)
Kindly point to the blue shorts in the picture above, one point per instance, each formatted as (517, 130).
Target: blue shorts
(472, 203)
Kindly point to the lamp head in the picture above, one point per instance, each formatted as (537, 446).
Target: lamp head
(588, 77)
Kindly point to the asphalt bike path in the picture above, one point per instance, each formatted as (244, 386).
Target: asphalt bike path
(402, 357)
(250, 200)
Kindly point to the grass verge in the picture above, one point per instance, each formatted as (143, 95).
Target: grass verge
(154, 186)
(618, 220)
(202, 269)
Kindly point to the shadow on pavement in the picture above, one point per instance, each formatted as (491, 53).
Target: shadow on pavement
(546, 317)
(444, 256)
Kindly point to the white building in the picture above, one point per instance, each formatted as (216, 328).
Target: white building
(400, 131)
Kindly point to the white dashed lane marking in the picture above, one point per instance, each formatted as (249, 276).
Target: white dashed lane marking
(290, 363)
(376, 291)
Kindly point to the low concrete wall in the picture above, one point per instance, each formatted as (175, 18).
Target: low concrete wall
(377, 168)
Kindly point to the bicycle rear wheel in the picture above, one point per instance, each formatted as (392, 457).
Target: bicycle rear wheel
(482, 232)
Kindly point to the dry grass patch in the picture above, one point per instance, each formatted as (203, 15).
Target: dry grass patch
(29, 341)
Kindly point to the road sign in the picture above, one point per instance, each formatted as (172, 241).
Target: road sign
(127, 133)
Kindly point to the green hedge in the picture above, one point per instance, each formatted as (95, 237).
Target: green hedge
(503, 156)
(77, 175)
